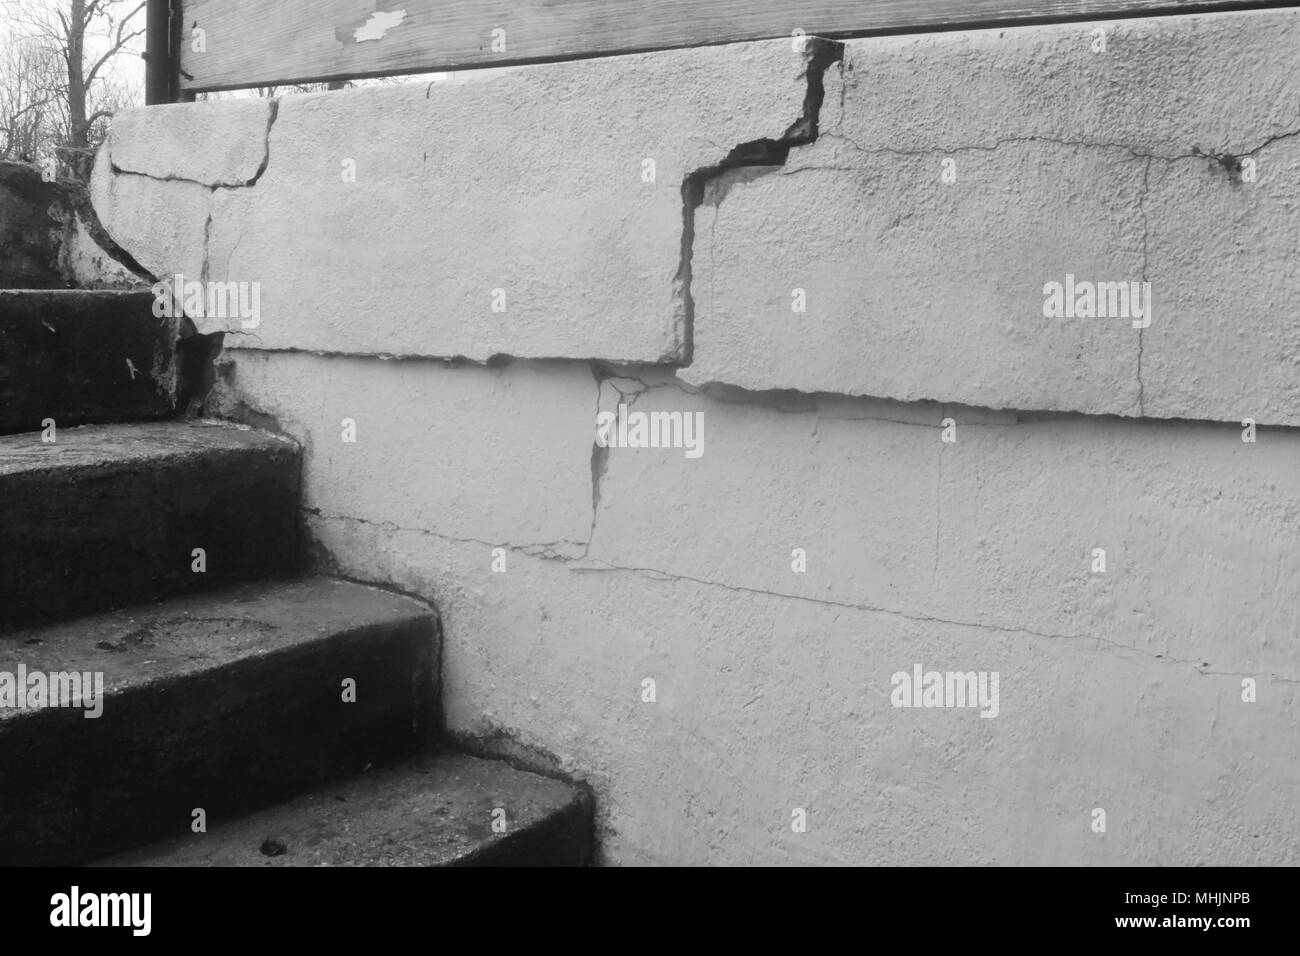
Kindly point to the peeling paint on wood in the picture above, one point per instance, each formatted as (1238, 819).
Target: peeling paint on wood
(377, 27)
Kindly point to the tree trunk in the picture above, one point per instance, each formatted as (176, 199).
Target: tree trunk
(79, 130)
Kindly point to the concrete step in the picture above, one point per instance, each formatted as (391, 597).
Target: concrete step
(434, 810)
(225, 702)
(80, 357)
(111, 515)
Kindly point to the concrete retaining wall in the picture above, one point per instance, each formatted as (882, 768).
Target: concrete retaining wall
(837, 266)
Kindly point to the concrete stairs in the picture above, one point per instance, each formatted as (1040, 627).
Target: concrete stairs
(248, 715)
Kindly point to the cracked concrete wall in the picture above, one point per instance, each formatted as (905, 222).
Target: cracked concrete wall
(567, 574)
(534, 182)
(1061, 160)
(1120, 690)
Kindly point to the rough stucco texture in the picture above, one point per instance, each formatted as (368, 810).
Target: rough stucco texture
(567, 575)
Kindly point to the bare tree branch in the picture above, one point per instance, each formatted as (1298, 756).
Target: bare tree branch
(57, 84)
(117, 46)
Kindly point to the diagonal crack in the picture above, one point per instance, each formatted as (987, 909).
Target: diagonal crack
(546, 551)
(1201, 667)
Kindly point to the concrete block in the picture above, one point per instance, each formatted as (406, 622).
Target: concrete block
(997, 528)
(501, 456)
(162, 224)
(957, 175)
(219, 143)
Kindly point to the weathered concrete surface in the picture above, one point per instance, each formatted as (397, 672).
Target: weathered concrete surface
(109, 515)
(83, 357)
(995, 529)
(494, 185)
(1120, 690)
(766, 704)
(45, 242)
(153, 180)
(1065, 160)
(225, 702)
(32, 213)
(430, 811)
(222, 144)
(165, 228)
(501, 456)
(568, 575)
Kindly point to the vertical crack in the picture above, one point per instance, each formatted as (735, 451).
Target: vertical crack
(207, 237)
(938, 502)
(599, 461)
(273, 111)
(844, 89)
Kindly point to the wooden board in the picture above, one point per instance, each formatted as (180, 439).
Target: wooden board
(266, 42)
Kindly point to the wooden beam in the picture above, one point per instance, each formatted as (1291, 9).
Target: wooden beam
(256, 43)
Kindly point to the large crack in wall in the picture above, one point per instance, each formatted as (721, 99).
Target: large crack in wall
(746, 161)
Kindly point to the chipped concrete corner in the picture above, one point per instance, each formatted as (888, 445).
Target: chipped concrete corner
(805, 262)
(163, 165)
(50, 237)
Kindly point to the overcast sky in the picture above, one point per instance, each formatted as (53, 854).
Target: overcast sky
(126, 65)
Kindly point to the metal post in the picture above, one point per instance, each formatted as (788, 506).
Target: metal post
(159, 69)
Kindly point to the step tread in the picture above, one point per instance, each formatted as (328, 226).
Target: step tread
(433, 810)
(139, 645)
(231, 700)
(132, 444)
(110, 515)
